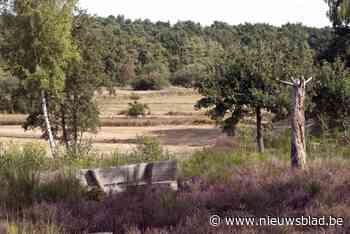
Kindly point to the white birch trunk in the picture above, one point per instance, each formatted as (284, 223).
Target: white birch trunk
(48, 126)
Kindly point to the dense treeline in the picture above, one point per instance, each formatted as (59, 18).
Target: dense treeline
(132, 51)
(150, 55)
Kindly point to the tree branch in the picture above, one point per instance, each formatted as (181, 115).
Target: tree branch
(294, 81)
(310, 79)
(286, 82)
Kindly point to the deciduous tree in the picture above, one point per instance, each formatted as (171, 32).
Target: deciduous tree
(39, 46)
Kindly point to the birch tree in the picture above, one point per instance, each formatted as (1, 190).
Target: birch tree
(39, 46)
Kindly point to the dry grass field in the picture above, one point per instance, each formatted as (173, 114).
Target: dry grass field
(173, 100)
(174, 120)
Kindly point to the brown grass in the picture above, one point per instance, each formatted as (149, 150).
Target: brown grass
(154, 121)
(160, 102)
(12, 119)
(173, 119)
(181, 138)
(168, 107)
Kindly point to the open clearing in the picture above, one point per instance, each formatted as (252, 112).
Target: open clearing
(178, 139)
(173, 120)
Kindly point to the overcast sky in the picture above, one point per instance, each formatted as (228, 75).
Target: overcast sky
(275, 12)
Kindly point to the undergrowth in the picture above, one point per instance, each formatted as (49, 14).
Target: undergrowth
(236, 182)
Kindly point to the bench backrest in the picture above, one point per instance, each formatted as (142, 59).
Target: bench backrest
(117, 179)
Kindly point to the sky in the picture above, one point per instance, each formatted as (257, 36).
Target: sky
(275, 12)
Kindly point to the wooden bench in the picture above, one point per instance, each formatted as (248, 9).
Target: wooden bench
(118, 179)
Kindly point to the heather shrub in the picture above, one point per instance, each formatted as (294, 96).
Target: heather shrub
(267, 189)
(240, 182)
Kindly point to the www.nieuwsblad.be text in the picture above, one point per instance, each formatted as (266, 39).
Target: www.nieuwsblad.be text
(216, 220)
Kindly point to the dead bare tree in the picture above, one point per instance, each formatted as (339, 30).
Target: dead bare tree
(298, 142)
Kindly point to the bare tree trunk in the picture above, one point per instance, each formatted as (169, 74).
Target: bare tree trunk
(298, 145)
(75, 124)
(230, 125)
(48, 126)
(259, 130)
(298, 149)
(64, 127)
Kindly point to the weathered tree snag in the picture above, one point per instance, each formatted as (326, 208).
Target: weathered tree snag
(259, 130)
(298, 149)
(298, 142)
(48, 125)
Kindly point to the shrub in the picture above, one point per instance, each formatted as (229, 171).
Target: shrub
(251, 190)
(187, 76)
(149, 149)
(210, 164)
(152, 81)
(19, 174)
(80, 149)
(28, 176)
(64, 186)
(137, 109)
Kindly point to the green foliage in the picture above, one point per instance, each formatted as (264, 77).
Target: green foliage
(188, 76)
(153, 76)
(148, 149)
(279, 141)
(150, 81)
(215, 165)
(243, 80)
(45, 46)
(75, 111)
(62, 187)
(19, 173)
(339, 12)
(25, 178)
(12, 99)
(137, 109)
(40, 56)
(331, 96)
